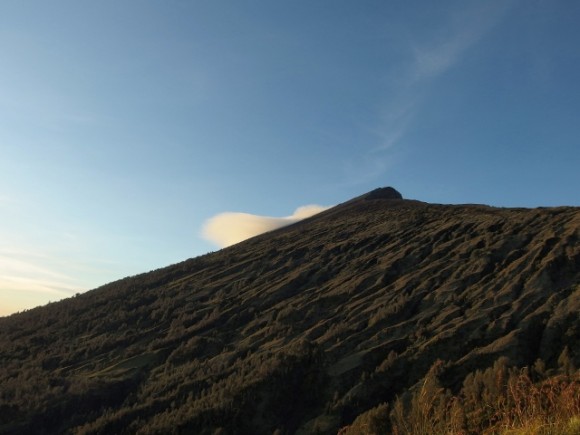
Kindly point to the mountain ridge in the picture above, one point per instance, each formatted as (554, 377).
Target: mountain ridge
(303, 327)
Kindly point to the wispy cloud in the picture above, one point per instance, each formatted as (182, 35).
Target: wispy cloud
(30, 279)
(226, 229)
(21, 271)
(464, 29)
(45, 286)
(440, 49)
(394, 120)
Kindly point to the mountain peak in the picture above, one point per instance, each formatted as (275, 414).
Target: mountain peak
(384, 193)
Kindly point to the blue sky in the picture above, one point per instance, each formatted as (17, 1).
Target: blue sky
(126, 125)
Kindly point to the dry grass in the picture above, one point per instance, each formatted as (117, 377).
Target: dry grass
(550, 407)
(518, 407)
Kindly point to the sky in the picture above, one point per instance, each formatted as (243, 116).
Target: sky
(136, 134)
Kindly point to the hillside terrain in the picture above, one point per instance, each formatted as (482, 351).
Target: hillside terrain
(346, 314)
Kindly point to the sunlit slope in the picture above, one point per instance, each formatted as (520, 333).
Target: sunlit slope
(303, 328)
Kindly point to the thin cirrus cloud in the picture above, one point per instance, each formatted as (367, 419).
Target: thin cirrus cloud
(229, 228)
(430, 57)
(463, 29)
(467, 27)
(25, 281)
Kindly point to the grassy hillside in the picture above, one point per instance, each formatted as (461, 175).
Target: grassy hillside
(347, 320)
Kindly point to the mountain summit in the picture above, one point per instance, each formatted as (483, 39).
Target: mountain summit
(384, 193)
(356, 314)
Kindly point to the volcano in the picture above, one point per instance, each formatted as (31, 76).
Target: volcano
(308, 328)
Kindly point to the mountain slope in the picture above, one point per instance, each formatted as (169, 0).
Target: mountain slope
(301, 329)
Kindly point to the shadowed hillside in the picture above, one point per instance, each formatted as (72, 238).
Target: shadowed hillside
(305, 328)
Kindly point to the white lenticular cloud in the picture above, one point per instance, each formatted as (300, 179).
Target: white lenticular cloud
(226, 229)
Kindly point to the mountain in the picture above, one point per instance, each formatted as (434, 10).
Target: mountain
(344, 316)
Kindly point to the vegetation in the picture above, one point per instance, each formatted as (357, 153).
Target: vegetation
(339, 321)
(497, 400)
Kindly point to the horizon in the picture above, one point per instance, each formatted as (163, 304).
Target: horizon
(129, 128)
